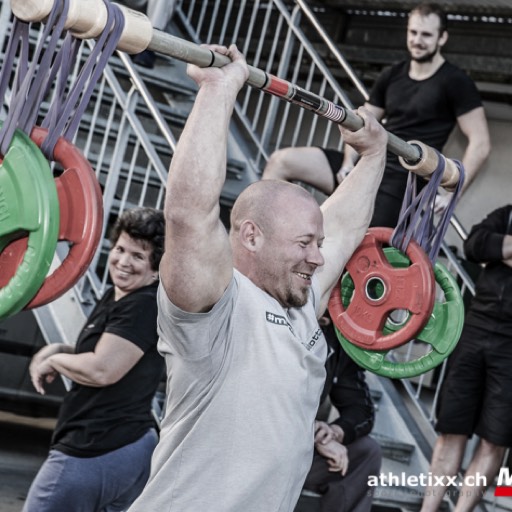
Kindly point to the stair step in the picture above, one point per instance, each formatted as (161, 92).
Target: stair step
(393, 449)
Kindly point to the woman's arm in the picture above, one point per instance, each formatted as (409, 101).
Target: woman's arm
(111, 360)
(40, 371)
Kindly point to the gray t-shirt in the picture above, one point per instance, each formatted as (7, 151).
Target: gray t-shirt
(243, 387)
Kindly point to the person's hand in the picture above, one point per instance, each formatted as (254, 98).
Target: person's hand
(370, 139)
(232, 76)
(41, 372)
(335, 455)
(323, 432)
(40, 369)
(442, 202)
(338, 433)
(343, 173)
(508, 262)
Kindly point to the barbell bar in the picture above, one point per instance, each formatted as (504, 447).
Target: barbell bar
(87, 19)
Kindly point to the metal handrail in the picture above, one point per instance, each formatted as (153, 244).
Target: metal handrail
(333, 49)
(288, 51)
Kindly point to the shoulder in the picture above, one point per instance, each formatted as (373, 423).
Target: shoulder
(497, 221)
(134, 317)
(452, 72)
(450, 68)
(401, 67)
(146, 291)
(167, 309)
(459, 88)
(143, 294)
(396, 70)
(140, 302)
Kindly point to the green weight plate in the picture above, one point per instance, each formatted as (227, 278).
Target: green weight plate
(29, 215)
(442, 331)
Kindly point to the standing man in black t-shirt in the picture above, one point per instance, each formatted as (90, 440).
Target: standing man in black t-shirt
(421, 98)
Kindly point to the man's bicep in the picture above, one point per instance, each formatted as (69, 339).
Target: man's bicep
(473, 122)
(328, 275)
(196, 267)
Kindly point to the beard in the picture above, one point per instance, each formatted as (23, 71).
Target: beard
(427, 57)
(295, 299)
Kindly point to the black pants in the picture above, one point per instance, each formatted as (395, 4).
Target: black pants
(349, 493)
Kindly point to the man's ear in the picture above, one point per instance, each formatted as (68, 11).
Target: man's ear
(443, 39)
(251, 236)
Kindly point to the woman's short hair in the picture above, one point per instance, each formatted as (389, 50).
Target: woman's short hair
(144, 224)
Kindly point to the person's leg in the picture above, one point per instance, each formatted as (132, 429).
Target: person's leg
(365, 457)
(125, 473)
(58, 483)
(107, 483)
(459, 407)
(483, 468)
(307, 164)
(446, 460)
(495, 419)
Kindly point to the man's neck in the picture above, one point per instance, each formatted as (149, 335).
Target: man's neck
(424, 70)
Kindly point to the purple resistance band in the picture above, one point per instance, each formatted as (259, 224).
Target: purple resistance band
(417, 218)
(33, 82)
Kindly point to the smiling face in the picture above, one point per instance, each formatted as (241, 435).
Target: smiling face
(290, 252)
(276, 234)
(129, 265)
(424, 37)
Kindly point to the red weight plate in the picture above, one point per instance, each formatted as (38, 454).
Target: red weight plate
(81, 218)
(380, 289)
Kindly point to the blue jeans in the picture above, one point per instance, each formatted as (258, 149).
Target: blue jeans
(107, 483)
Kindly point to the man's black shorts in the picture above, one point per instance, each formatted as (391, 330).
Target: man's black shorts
(476, 395)
(335, 159)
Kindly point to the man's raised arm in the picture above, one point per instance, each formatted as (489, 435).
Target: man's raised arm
(197, 264)
(348, 211)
